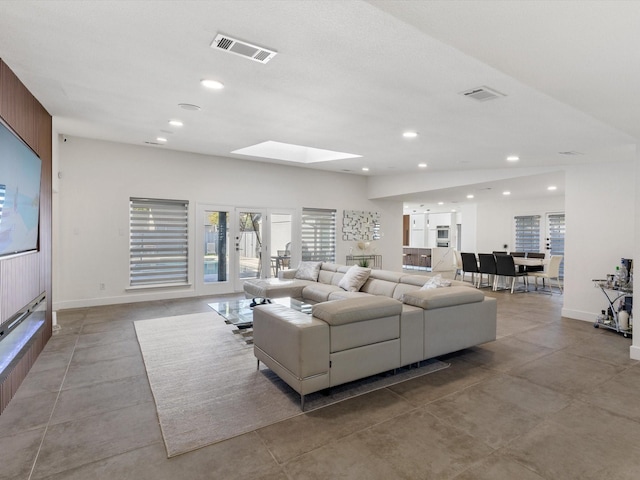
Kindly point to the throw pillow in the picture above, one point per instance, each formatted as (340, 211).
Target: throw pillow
(354, 278)
(308, 271)
(436, 282)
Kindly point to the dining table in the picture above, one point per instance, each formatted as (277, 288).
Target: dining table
(529, 262)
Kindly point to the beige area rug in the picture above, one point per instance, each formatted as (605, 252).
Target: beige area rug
(207, 389)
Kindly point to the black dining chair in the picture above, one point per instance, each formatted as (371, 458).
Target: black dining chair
(535, 268)
(487, 267)
(469, 265)
(521, 268)
(506, 268)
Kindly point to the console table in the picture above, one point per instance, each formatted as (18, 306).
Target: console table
(374, 261)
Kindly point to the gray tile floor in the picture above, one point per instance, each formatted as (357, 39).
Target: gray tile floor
(551, 399)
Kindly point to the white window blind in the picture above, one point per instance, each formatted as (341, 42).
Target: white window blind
(158, 247)
(527, 233)
(555, 239)
(318, 235)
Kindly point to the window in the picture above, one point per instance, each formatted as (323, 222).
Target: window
(527, 233)
(318, 235)
(555, 236)
(158, 247)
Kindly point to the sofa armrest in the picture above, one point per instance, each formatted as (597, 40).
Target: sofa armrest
(351, 310)
(442, 297)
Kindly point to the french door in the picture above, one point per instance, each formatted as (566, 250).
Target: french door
(233, 244)
(554, 241)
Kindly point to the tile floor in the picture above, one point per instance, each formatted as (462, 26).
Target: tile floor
(551, 399)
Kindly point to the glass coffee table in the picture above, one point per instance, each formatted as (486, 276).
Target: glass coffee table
(239, 312)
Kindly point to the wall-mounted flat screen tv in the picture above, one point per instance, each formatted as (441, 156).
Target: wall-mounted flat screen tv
(20, 170)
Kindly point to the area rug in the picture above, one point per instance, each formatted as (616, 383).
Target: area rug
(207, 389)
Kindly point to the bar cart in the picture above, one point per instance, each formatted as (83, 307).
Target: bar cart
(609, 318)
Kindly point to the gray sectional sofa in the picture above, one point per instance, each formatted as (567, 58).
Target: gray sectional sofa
(387, 323)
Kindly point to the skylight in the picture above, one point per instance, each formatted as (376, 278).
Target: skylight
(292, 153)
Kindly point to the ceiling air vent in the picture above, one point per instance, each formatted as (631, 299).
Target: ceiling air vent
(244, 49)
(482, 94)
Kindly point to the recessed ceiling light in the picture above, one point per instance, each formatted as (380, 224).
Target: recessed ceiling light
(175, 123)
(469, 196)
(212, 84)
(161, 139)
(410, 134)
(513, 158)
(506, 192)
(422, 165)
(552, 187)
(440, 203)
(453, 210)
(365, 169)
(189, 106)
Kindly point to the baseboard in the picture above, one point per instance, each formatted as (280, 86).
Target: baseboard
(130, 298)
(634, 351)
(579, 315)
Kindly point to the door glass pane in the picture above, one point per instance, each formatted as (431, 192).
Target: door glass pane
(250, 245)
(555, 240)
(216, 241)
(280, 242)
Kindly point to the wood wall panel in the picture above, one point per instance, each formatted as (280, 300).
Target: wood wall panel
(24, 277)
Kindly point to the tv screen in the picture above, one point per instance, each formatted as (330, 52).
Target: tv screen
(20, 171)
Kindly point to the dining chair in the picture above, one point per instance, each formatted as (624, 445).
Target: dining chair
(284, 258)
(521, 268)
(551, 273)
(505, 267)
(469, 265)
(487, 266)
(535, 268)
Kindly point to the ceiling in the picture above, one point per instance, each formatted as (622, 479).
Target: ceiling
(349, 76)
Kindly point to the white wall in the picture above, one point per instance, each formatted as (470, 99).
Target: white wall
(600, 213)
(418, 230)
(469, 220)
(98, 178)
(495, 225)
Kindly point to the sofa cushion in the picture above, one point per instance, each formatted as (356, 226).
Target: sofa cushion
(375, 286)
(354, 278)
(442, 297)
(329, 267)
(387, 275)
(353, 310)
(325, 276)
(403, 288)
(308, 271)
(318, 292)
(341, 295)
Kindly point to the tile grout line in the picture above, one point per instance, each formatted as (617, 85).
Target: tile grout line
(55, 403)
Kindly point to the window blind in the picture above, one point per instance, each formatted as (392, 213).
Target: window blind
(318, 235)
(556, 231)
(527, 228)
(158, 246)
